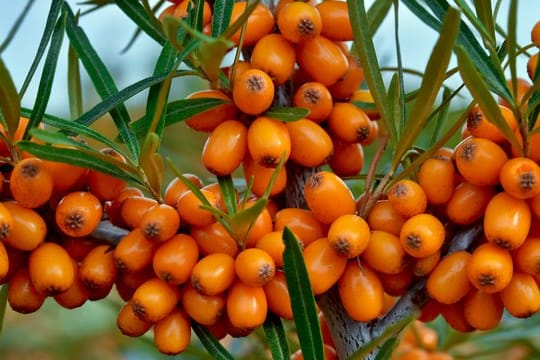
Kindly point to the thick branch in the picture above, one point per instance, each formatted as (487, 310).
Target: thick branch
(109, 233)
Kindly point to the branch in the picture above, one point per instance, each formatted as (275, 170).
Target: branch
(109, 233)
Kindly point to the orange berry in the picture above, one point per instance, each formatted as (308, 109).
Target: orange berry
(336, 24)
(259, 176)
(347, 158)
(254, 267)
(480, 161)
(76, 295)
(98, 269)
(160, 222)
(345, 86)
(189, 208)
(422, 235)
(28, 230)
(154, 300)
(425, 265)
(321, 53)
(78, 213)
(277, 296)
(22, 297)
(31, 184)
(468, 203)
(214, 238)
(349, 235)
(448, 282)
(384, 253)
(301, 222)
(408, 198)
(311, 146)
(328, 197)
(181, 10)
(299, 21)
(527, 256)
(521, 297)
(175, 258)
(384, 216)
(103, 186)
(225, 148)
(324, 266)
(209, 119)
(272, 244)
(315, 97)
(4, 262)
(253, 91)
(134, 251)
(133, 208)
(268, 141)
(349, 123)
(274, 55)
(129, 323)
(259, 23)
(213, 274)
(482, 310)
(176, 187)
(532, 64)
(50, 269)
(172, 334)
(454, 315)
(436, 176)
(204, 309)
(490, 268)
(482, 127)
(520, 177)
(246, 305)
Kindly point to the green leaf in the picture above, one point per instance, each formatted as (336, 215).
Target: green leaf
(367, 57)
(276, 337)
(481, 94)
(432, 81)
(74, 85)
(386, 350)
(16, 26)
(10, 104)
(478, 23)
(221, 16)
(181, 110)
(54, 11)
(210, 54)
(47, 76)
(485, 15)
(287, 113)
(377, 13)
(302, 298)
(242, 222)
(395, 100)
(136, 12)
(152, 163)
(3, 303)
(212, 345)
(102, 80)
(511, 40)
(235, 26)
(228, 191)
(79, 158)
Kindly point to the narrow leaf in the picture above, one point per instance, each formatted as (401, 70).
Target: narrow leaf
(386, 350)
(221, 16)
(276, 337)
(485, 15)
(152, 163)
(3, 303)
(74, 85)
(481, 94)
(235, 26)
(136, 12)
(47, 76)
(16, 26)
(76, 157)
(435, 74)
(212, 345)
(242, 222)
(10, 104)
(376, 14)
(367, 56)
(102, 80)
(302, 298)
(228, 192)
(287, 113)
(511, 40)
(54, 11)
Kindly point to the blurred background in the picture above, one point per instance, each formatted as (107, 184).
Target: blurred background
(90, 332)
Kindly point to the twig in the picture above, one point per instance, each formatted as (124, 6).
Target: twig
(109, 233)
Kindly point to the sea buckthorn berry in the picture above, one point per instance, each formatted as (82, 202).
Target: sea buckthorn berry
(425, 265)
(480, 126)
(160, 222)
(66, 177)
(112, 208)
(344, 88)
(50, 269)
(78, 213)
(172, 334)
(4, 262)
(129, 323)
(532, 64)
(482, 311)
(225, 148)
(154, 300)
(468, 203)
(134, 251)
(535, 34)
(349, 235)
(324, 266)
(133, 209)
(76, 295)
(527, 256)
(507, 221)
(253, 91)
(422, 235)
(521, 297)
(272, 244)
(98, 269)
(336, 24)
(22, 297)
(397, 284)
(448, 282)
(214, 238)
(189, 208)
(274, 55)
(175, 258)
(320, 53)
(347, 158)
(204, 309)
(260, 176)
(6, 221)
(364, 100)
(480, 161)
(176, 187)
(533, 144)
(208, 120)
(436, 177)
(259, 23)
(429, 311)
(384, 216)
(384, 253)
(28, 229)
(315, 97)
(168, 11)
(254, 267)
(520, 177)
(250, 233)
(523, 85)
(490, 268)
(325, 330)
(408, 198)
(268, 141)
(213, 274)
(181, 10)
(246, 305)
(31, 184)
(454, 315)
(236, 69)
(361, 292)
(299, 21)
(349, 123)
(277, 296)
(311, 146)
(301, 222)
(328, 197)
(106, 187)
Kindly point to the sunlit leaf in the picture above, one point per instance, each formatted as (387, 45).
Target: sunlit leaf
(276, 337)
(74, 85)
(212, 345)
(485, 17)
(10, 104)
(511, 40)
(302, 298)
(228, 191)
(221, 16)
(377, 13)
(287, 113)
(152, 163)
